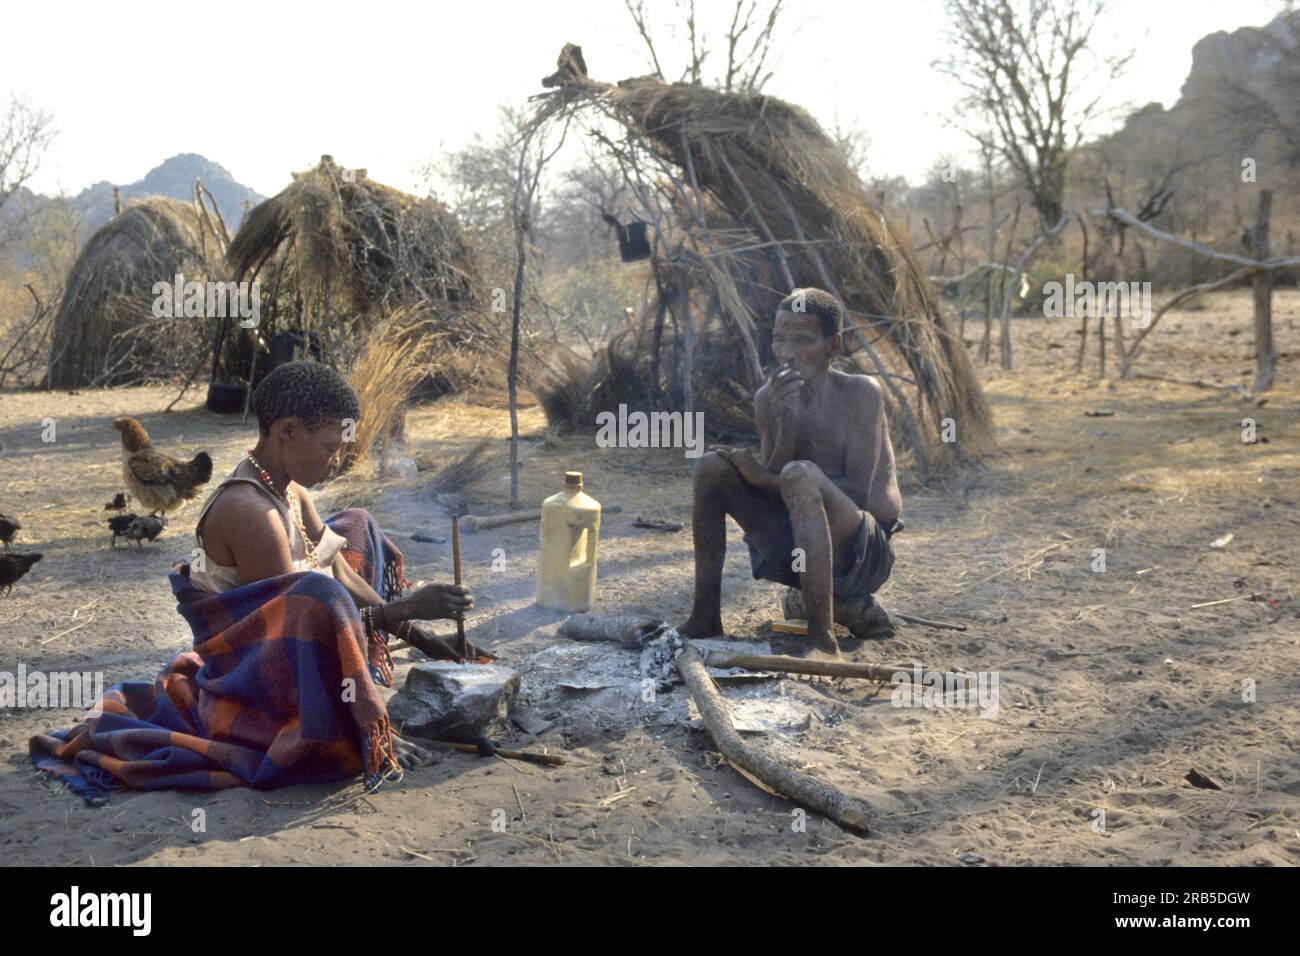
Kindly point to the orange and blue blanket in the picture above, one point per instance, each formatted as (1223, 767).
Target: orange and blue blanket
(278, 689)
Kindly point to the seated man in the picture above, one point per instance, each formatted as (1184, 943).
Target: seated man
(819, 501)
(288, 626)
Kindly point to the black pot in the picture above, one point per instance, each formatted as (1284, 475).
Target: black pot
(225, 398)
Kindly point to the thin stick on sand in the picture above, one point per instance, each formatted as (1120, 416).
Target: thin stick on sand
(551, 760)
(791, 784)
(926, 622)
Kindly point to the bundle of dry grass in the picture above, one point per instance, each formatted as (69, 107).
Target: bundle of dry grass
(389, 366)
(104, 332)
(796, 215)
(355, 252)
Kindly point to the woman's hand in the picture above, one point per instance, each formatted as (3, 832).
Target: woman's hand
(421, 637)
(436, 602)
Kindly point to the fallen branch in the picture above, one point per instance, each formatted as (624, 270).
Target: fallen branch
(798, 665)
(791, 784)
(1175, 300)
(1237, 387)
(471, 523)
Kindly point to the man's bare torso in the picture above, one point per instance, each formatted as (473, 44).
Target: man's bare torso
(844, 432)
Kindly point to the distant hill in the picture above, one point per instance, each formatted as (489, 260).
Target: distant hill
(1241, 97)
(174, 178)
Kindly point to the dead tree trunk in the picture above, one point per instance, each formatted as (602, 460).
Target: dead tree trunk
(1265, 353)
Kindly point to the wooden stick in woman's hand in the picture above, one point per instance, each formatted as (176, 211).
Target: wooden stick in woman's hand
(462, 649)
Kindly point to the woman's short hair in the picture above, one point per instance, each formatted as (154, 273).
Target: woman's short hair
(313, 393)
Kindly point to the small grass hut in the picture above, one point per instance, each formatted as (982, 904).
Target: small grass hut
(105, 332)
(338, 253)
(748, 199)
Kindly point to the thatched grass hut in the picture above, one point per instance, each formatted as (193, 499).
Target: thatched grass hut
(104, 332)
(762, 201)
(338, 253)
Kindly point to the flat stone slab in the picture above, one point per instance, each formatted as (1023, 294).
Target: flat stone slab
(443, 700)
(760, 715)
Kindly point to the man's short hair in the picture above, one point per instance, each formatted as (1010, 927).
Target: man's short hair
(819, 303)
(313, 393)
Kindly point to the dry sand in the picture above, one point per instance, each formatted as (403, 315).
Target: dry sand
(1112, 685)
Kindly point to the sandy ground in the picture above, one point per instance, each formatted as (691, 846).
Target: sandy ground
(1112, 685)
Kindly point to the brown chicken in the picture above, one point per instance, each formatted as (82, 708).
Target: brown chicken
(12, 567)
(158, 481)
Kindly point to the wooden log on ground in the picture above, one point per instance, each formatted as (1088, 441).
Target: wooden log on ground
(791, 784)
(622, 629)
(798, 665)
(471, 523)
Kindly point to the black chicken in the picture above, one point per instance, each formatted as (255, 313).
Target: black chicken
(120, 524)
(8, 528)
(13, 567)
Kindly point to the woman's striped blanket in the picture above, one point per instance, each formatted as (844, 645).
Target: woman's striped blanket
(278, 689)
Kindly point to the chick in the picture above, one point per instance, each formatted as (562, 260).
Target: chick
(158, 481)
(120, 524)
(118, 503)
(8, 528)
(144, 529)
(13, 567)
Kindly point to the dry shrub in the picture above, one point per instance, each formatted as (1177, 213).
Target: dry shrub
(467, 470)
(387, 370)
(573, 390)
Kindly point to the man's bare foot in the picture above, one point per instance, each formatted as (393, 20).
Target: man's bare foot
(411, 755)
(821, 647)
(700, 626)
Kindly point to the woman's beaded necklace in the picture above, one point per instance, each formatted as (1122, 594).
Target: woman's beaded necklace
(295, 509)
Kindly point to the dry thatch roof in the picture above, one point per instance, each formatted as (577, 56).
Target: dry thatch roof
(357, 250)
(105, 332)
(796, 215)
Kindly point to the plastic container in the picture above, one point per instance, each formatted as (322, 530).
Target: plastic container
(566, 561)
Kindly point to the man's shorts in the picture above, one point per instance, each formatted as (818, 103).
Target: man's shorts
(872, 560)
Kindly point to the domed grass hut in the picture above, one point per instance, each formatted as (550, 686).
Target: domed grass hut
(338, 253)
(748, 198)
(105, 332)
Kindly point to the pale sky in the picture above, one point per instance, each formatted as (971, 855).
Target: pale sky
(265, 88)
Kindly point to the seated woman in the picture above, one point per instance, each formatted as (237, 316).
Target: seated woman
(289, 629)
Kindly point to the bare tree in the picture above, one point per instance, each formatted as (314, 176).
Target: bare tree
(25, 133)
(1034, 80)
(749, 42)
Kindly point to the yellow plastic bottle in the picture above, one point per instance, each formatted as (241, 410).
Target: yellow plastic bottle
(566, 562)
